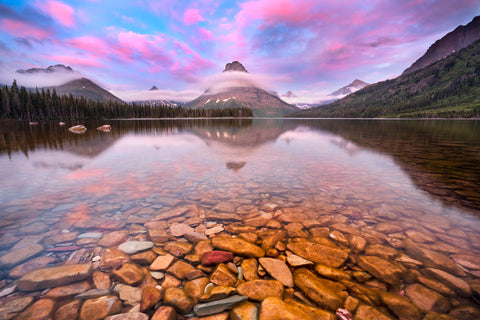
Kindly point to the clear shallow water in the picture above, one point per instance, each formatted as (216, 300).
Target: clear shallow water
(425, 174)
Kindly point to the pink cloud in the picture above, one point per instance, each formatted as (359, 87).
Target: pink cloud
(192, 16)
(75, 61)
(204, 34)
(61, 12)
(22, 29)
(89, 43)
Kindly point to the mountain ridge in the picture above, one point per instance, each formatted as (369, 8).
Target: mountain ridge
(459, 38)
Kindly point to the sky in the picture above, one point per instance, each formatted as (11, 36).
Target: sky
(310, 47)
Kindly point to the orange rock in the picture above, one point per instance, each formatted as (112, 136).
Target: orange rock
(41, 309)
(150, 297)
(96, 309)
(129, 273)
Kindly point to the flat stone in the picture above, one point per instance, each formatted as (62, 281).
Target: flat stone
(275, 308)
(101, 280)
(128, 316)
(213, 307)
(213, 231)
(92, 294)
(64, 248)
(60, 238)
(314, 313)
(17, 305)
(400, 306)
(68, 311)
(162, 262)
(68, 290)
(259, 290)
(34, 228)
(458, 285)
(165, 313)
(131, 247)
(316, 290)
(222, 276)
(129, 273)
(113, 239)
(332, 273)
(238, 246)
(183, 270)
(100, 308)
(41, 309)
(178, 248)
(433, 259)
(381, 269)
(90, 235)
(54, 277)
(194, 288)
(465, 313)
(426, 299)
(144, 258)
(365, 312)
(468, 261)
(435, 285)
(297, 261)
(150, 297)
(178, 299)
(180, 229)
(195, 237)
(278, 270)
(217, 293)
(113, 258)
(128, 294)
(249, 267)
(332, 257)
(172, 213)
(31, 265)
(215, 257)
(17, 256)
(244, 311)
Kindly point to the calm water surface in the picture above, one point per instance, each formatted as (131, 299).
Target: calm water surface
(359, 176)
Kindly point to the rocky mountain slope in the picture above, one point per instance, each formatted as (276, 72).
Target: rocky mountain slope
(458, 39)
(243, 94)
(86, 88)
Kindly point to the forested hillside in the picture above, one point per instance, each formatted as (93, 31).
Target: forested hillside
(20, 104)
(448, 88)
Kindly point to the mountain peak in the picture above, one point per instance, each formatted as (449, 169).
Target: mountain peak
(352, 87)
(154, 88)
(289, 94)
(235, 66)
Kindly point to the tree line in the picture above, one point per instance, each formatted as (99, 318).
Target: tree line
(44, 104)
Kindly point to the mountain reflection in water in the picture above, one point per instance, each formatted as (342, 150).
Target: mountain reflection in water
(441, 157)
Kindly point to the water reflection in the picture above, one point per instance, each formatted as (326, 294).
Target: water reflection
(441, 157)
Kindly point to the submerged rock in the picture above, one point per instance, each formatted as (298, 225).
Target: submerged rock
(100, 308)
(278, 270)
(131, 247)
(259, 290)
(275, 308)
(332, 257)
(238, 246)
(205, 309)
(54, 277)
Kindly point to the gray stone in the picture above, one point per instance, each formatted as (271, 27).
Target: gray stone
(205, 309)
(131, 247)
(90, 235)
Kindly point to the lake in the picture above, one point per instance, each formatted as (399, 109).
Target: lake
(385, 214)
